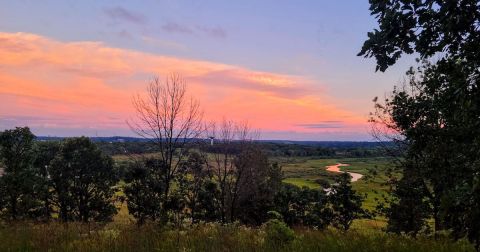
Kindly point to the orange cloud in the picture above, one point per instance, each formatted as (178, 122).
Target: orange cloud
(52, 84)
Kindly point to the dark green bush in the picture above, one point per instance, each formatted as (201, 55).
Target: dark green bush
(277, 234)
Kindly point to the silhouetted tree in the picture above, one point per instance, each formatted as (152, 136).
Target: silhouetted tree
(19, 179)
(45, 152)
(83, 179)
(437, 122)
(303, 206)
(346, 204)
(231, 139)
(145, 190)
(171, 120)
(425, 27)
(436, 115)
(409, 208)
(199, 189)
(256, 183)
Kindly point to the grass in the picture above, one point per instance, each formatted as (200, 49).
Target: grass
(304, 172)
(308, 168)
(300, 182)
(205, 237)
(315, 168)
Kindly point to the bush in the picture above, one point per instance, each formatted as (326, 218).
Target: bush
(277, 234)
(323, 182)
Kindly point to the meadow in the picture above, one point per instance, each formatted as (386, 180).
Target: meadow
(307, 171)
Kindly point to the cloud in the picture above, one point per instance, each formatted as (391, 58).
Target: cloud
(29, 118)
(39, 111)
(124, 34)
(216, 32)
(213, 32)
(322, 125)
(56, 85)
(164, 43)
(10, 44)
(283, 86)
(121, 14)
(176, 28)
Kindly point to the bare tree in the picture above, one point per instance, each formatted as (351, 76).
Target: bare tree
(170, 119)
(230, 139)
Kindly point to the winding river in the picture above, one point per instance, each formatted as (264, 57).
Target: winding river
(336, 168)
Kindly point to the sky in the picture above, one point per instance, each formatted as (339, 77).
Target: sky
(288, 68)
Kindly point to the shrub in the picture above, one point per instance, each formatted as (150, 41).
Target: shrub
(277, 234)
(323, 182)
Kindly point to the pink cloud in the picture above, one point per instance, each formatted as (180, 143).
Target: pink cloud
(83, 84)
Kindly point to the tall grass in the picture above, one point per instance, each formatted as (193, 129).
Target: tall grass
(204, 237)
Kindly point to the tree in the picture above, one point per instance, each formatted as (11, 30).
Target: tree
(45, 152)
(436, 115)
(198, 188)
(466, 204)
(346, 204)
(231, 139)
(409, 209)
(168, 118)
(19, 179)
(426, 27)
(436, 118)
(256, 183)
(145, 190)
(247, 182)
(303, 206)
(83, 179)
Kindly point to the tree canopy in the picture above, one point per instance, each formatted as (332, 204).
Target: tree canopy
(435, 115)
(426, 27)
(83, 179)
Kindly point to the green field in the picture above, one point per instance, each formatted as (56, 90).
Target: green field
(305, 172)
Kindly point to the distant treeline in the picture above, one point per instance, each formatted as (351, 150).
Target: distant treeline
(324, 149)
(131, 145)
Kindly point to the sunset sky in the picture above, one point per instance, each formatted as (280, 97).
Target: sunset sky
(289, 68)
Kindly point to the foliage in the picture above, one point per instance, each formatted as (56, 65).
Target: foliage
(83, 180)
(256, 184)
(144, 190)
(409, 209)
(321, 149)
(277, 234)
(45, 152)
(249, 184)
(437, 117)
(425, 27)
(324, 183)
(19, 180)
(199, 189)
(346, 204)
(437, 114)
(303, 206)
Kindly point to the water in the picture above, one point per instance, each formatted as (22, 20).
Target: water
(336, 168)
